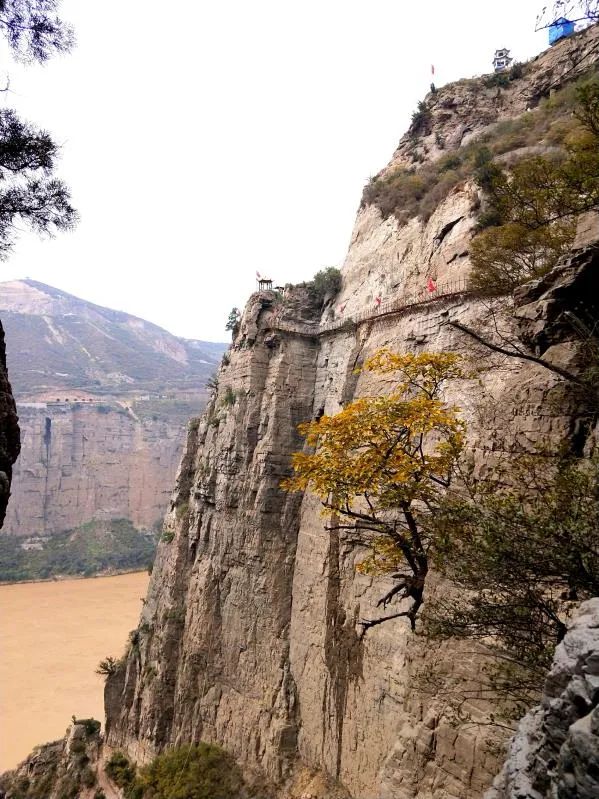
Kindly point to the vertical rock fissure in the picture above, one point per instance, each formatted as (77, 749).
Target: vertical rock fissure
(342, 647)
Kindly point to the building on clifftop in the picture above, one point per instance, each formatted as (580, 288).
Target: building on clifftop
(502, 60)
(559, 29)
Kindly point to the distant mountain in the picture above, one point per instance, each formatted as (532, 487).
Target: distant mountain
(57, 342)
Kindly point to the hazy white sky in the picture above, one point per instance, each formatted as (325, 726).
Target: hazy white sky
(205, 141)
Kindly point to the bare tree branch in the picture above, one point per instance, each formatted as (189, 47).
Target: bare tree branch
(516, 353)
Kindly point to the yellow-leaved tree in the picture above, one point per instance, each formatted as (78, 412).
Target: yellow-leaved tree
(381, 466)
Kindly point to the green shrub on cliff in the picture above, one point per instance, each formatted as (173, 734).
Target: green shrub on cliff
(194, 771)
(325, 283)
(532, 207)
(522, 548)
(120, 770)
(107, 666)
(229, 397)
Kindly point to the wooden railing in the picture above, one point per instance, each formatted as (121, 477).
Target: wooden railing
(391, 307)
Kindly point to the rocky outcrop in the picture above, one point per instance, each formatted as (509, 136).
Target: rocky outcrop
(9, 432)
(67, 767)
(81, 462)
(555, 752)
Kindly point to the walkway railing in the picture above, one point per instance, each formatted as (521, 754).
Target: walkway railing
(406, 301)
(296, 327)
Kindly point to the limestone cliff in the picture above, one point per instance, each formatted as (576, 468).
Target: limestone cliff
(250, 632)
(81, 462)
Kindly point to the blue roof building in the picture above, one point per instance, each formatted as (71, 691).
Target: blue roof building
(559, 29)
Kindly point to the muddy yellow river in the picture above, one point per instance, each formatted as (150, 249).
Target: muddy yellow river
(52, 636)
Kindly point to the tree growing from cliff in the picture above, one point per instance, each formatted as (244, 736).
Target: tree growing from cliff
(107, 666)
(522, 547)
(29, 194)
(233, 320)
(381, 466)
(533, 207)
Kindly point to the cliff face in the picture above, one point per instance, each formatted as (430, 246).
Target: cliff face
(250, 632)
(249, 635)
(83, 462)
(230, 568)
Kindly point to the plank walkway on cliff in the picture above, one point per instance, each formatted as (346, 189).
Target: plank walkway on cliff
(399, 305)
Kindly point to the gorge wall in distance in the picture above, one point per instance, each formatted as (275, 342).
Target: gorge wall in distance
(81, 462)
(104, 399)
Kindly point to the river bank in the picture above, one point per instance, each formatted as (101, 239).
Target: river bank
(56, 578)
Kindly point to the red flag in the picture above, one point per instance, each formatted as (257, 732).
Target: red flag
(431, 285)
(258, 275)
(432, 69)
(377, 301)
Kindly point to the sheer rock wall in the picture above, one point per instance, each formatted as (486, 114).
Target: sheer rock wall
(80, 463)
(249, 635)
(250, 632)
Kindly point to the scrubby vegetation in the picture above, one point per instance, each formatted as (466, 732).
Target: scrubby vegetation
(93, 548)
(503, 79)
(120, 769)
(420, 118)
(195, 771)
(92, 726)
(416, 192)
(522, 547)
(107, 666)
(325, 283)
(229, 397)
(532, 206)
